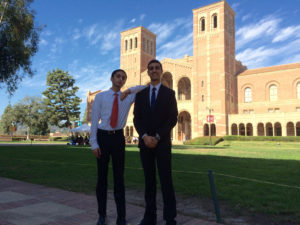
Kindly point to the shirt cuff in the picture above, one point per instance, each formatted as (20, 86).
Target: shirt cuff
(94, 146)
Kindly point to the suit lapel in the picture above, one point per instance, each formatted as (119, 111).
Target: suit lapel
(159, 97)
(147, 93)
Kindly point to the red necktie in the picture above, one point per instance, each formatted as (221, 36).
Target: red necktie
(114, 112)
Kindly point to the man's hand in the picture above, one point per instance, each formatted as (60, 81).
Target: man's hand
(125, 94)
(97, 152)
(150, 141)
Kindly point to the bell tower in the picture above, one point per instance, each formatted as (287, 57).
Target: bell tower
(138, 47)
(214, 66)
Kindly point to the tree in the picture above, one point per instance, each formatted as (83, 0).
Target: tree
(7, 119)
(18, 42)
(84, 119)
(60, 98)
(31, 111)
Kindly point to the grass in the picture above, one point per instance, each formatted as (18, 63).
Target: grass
(34, 142)
(249, 175)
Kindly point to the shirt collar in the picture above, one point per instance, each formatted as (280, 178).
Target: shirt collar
(157, 86)
(112, 92)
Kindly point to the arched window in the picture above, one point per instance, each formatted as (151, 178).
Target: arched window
(130, 45)
(248, 94)
(298, 90)
(147, 46)
(202, 24)
(202, 83)
(144, 44)
(135, 42)
(151, 47)
(202, 98)
(126, 45)
(184, 89)
(273, 92)
(215, 21)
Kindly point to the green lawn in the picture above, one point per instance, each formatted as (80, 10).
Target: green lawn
(259, 176)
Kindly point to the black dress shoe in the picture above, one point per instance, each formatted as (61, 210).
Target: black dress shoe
(146, 222)
(142, 222)
(122, 222)
(171, 222)
(102, 220)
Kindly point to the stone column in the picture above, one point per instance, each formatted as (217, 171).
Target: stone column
(283, 130)
(254, 130)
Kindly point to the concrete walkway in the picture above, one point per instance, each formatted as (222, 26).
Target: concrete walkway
(23, 203)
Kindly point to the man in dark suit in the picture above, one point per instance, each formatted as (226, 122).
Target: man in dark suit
(155, 114)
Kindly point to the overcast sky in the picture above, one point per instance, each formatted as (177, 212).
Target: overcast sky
(83, 37)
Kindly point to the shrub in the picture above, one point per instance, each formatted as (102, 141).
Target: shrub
(262, 138)
(204, 141)
(18, 138)
(59, 138)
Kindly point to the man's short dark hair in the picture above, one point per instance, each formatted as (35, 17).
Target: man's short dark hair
(118, 70)
(154, 61)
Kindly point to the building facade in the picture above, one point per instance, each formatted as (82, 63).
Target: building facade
(216, 94)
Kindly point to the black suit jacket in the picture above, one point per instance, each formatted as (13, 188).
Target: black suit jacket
(161, 119)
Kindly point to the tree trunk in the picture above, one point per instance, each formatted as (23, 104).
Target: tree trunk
(5, 4)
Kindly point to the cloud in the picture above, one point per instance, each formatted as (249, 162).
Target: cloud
(142, 16)
(56, 47)
(90, 31)
(286, 33)
(105, 37)
(76, 35)
(246, 17)
(91, 77)
(267, 56)
(43, 42)
(165, 30)
(291, 59)
(177, 48)
(235, 6)
(46, 33)
(133, 20)
(263, 28)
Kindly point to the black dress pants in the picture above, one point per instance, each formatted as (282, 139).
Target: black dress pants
(111, 145)
(161, 155)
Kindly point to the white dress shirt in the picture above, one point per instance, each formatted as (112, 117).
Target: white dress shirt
(156, 91)
(102, 108)
(150, 95)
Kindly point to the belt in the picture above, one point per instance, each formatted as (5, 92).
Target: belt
(110, 132)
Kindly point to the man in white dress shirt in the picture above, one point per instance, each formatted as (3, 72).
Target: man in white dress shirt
(107, 140)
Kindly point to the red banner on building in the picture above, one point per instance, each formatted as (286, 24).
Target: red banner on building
(210, 118)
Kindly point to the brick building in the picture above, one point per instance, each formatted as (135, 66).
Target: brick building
(263, 101)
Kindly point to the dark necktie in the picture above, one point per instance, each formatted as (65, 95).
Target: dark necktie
(153, 98)
(114, 112)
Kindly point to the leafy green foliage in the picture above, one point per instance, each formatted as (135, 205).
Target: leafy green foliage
(262, 138)
(204, 141)
(31, 111)
(18, 42)
(61, 100)
(7, 119)
(84, 119)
